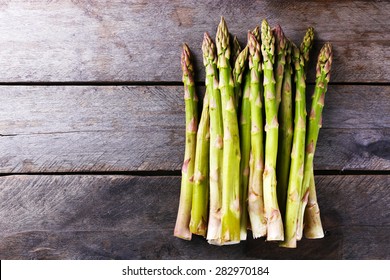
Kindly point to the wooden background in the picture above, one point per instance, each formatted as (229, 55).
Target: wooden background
(92, 126)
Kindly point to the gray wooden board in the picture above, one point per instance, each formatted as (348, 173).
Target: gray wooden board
(140, 40)
(126, 217)
(130, 128)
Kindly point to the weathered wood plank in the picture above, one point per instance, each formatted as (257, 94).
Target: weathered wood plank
(355, 242)
(89, 128)
(352, 242)
(140, 40)
(154, 148)
(125, 217)
(108, 128)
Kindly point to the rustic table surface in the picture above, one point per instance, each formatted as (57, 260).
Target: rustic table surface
(92, 126)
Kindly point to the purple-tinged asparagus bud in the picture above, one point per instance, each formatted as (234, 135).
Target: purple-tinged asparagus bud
(186, 65)
(257, 34)
(324, 62)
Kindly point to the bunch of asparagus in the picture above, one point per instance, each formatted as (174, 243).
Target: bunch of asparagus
(248, 161)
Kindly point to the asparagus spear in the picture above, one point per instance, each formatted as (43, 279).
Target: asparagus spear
(245, 147)
(238, 72)
(274, 219)
(285, 133)
(255, 189)
(280, 43)
(244, 124)
(191, 101)
(291, 234)
(324, 64)
(216, 140)
(231, 144)
(305, 47)
(200, 193)
(297, 154)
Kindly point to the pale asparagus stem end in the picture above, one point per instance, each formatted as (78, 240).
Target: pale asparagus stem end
(313, 228)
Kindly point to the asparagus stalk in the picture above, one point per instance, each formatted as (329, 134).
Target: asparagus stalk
(255, 189)
(244, 124)
(191, 101)
(280, 43)
(285, 133)
(274, 219)
(238, 72)
(305, 47)
(245, 147)
(324, 64)
(297, 154)
(200, 193)
(231, 144)
(216, 140)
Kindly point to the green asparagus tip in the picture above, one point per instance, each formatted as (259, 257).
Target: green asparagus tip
(268, 41)
(186, 64)
(297, 57)
(236, 42)
(236, 46)
(222, 41)
(307, 43)
(324, 62)
(208, 48)
(239, 66)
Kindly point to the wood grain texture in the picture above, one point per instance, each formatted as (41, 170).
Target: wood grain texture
(118, 128)
(125, 217)
(137, 40)
(66, 129)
